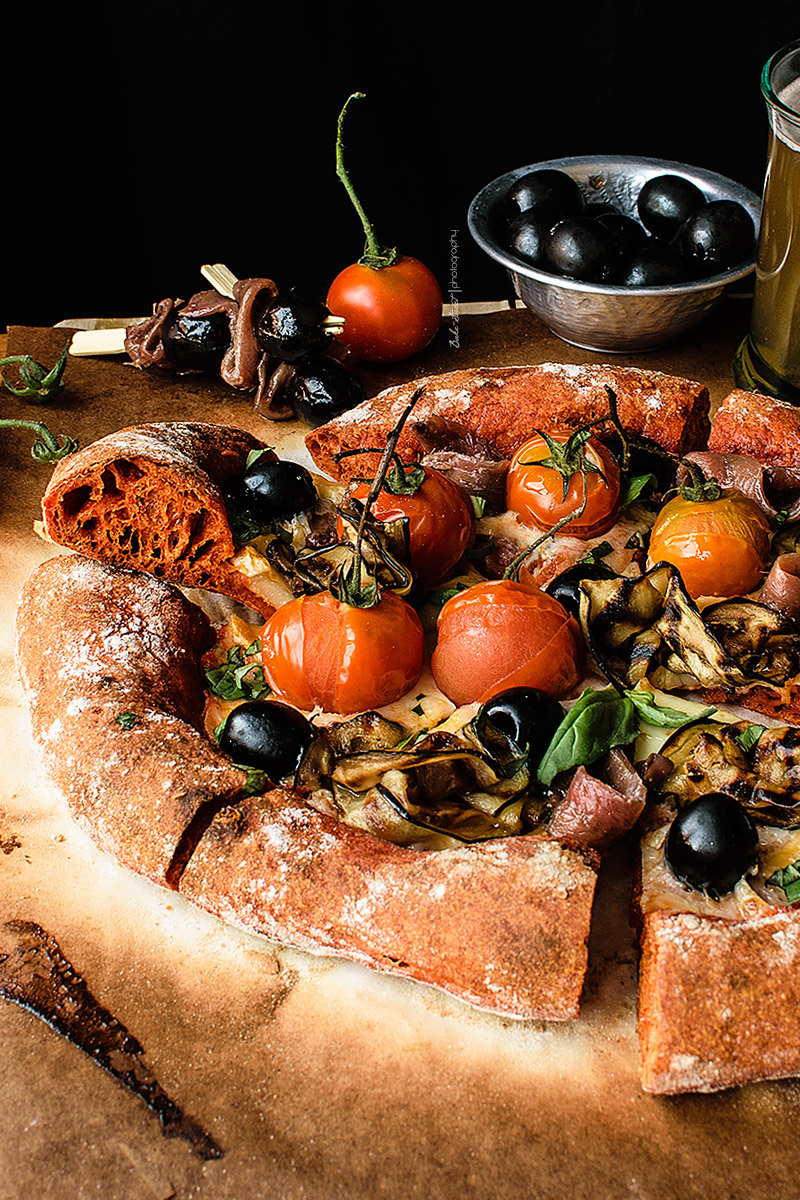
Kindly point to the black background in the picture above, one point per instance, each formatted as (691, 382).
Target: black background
(143, 141)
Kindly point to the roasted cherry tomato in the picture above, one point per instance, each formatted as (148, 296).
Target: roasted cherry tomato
(719, 546)
(391, 304)
(502, 634)
(441, 523)
(390, 312)
(318, 651)
(543, 496)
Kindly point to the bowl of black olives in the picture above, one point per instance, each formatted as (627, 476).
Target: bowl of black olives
(619, 254)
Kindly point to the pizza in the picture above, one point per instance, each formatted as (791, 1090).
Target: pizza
(402, 720)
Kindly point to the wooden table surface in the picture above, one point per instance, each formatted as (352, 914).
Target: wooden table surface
(317, 1078)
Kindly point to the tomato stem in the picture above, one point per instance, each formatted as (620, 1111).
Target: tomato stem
(352, 591)
(46, 447)
(375, 255)
(512, 572)
(698, 487)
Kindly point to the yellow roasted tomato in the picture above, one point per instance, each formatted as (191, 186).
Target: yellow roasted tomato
(721, 546)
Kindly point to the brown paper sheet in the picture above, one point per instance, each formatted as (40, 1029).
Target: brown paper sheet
(319, 1079)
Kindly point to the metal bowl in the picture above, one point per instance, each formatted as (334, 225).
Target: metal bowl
(599, 316)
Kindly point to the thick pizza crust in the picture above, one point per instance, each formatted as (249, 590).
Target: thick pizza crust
(504, 405)
(719, 1001)
(152, 497)
(761, 426)
(500, 925)
(99, 649)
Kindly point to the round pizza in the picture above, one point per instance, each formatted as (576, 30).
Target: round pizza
(398, 707)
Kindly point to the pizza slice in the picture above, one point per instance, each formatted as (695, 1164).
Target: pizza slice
(719, 977)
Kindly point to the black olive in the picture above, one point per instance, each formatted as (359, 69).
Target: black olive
(322, 390)
(564, 587)
(518, 722)
(581, 249)
(654, 265)
(627, 233)
(291, 328)
(528, 231)
(599, 208)
(712, 843)
(276, 490)
(547, 188)
(196, 343)
(665, 202)
(719, 235)
(267, 735)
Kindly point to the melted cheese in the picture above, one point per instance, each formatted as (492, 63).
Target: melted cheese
(560, 552)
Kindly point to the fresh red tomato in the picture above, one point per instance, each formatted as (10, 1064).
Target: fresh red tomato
(537, 494)
(318, 651)
(441, 523)
(501, 634)
(390, 312)
(719, 546)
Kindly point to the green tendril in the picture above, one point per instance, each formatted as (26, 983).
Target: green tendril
(47, 448)
(37, 381)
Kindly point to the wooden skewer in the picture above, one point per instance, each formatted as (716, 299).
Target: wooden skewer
(87, 343)
(220, 277)
(222, 280)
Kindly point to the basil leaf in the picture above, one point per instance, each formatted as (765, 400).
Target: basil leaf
(788, 880)
(747, 738)
(648, 709)
(636, 485)
(254, 455)
(598, 553)
(237, 679)
(125, 720)
(597, 721)
(440, 596)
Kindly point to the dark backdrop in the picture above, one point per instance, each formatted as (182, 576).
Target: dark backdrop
(142, 141)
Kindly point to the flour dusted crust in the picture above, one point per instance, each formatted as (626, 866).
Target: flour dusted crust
(152, 497)
(719, 1001)
(502, 924)
(109, 659)
(758, 425)
(99, 647)
(503, 405)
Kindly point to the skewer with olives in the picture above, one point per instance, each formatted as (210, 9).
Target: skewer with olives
(293, 328)
(196, 343)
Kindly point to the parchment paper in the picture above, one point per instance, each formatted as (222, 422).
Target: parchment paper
(317, 1078)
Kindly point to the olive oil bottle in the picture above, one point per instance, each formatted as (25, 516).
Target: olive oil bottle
(769, 358)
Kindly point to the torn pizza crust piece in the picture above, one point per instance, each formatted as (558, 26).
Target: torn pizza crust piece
(152, 497)
(109, 659)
